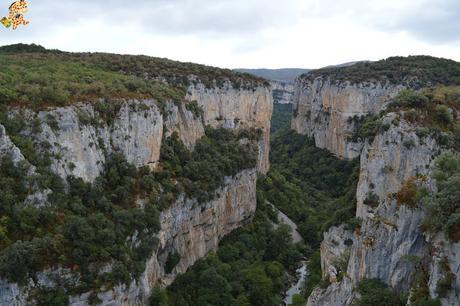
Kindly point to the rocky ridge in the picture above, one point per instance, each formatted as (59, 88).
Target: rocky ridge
(390, 233)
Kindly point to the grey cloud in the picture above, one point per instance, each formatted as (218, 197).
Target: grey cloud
(432, 21)
(439, 23)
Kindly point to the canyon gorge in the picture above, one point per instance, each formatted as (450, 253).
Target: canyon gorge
(135, 176)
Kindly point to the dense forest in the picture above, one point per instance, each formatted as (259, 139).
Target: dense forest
(281, 118)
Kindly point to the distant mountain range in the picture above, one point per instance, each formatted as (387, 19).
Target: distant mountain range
(287, 75)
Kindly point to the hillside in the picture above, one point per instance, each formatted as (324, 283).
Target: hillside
(33, 75)
(414, 71)
(113, 167)
(287, 75)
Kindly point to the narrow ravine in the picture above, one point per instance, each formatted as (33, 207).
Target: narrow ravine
(302, 274)
(302, 271)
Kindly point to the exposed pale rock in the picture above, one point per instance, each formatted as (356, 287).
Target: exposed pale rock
(194, 229)
(336, 294)
(441, 252)
(323, 110)
(8, 147)
(283, 92)
(333, 248)
(189, 128)
(238, 109)
(390, 232)
(81, 147)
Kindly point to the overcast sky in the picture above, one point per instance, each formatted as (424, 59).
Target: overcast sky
(246, 33)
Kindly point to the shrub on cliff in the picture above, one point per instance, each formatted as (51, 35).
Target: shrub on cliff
(444, 205)
(444, 115)
(375, 292)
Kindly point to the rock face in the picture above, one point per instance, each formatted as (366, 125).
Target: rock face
(283, 92)
(335, 247)
(238, 109)
(390, 232)
(323, 110)
(8, 147)
(80, 136)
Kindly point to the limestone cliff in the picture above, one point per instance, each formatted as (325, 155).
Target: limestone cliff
(192, 230)
(187, 227)
(391, 233)
(324, 110)
(238, 109)
(79, 137)
(283, 92)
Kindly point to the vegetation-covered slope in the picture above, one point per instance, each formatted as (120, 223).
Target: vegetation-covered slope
(413, 71)
(34, 76)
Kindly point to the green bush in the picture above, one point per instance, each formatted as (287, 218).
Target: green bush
(444, 115)
(445, 285)
(409, 144)
(171, 262)
(375, 292)
(159, 297)
(410, 98)
(444, 206)
(371, 200)
(53, 297)
(196, 109)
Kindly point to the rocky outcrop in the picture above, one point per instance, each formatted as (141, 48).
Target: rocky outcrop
(79, 138)
(187, 125)
(336, 294)
(335, 248)
(391, 232)
(8, 147)
(238, 109)
(283, 92)
(324, 110)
